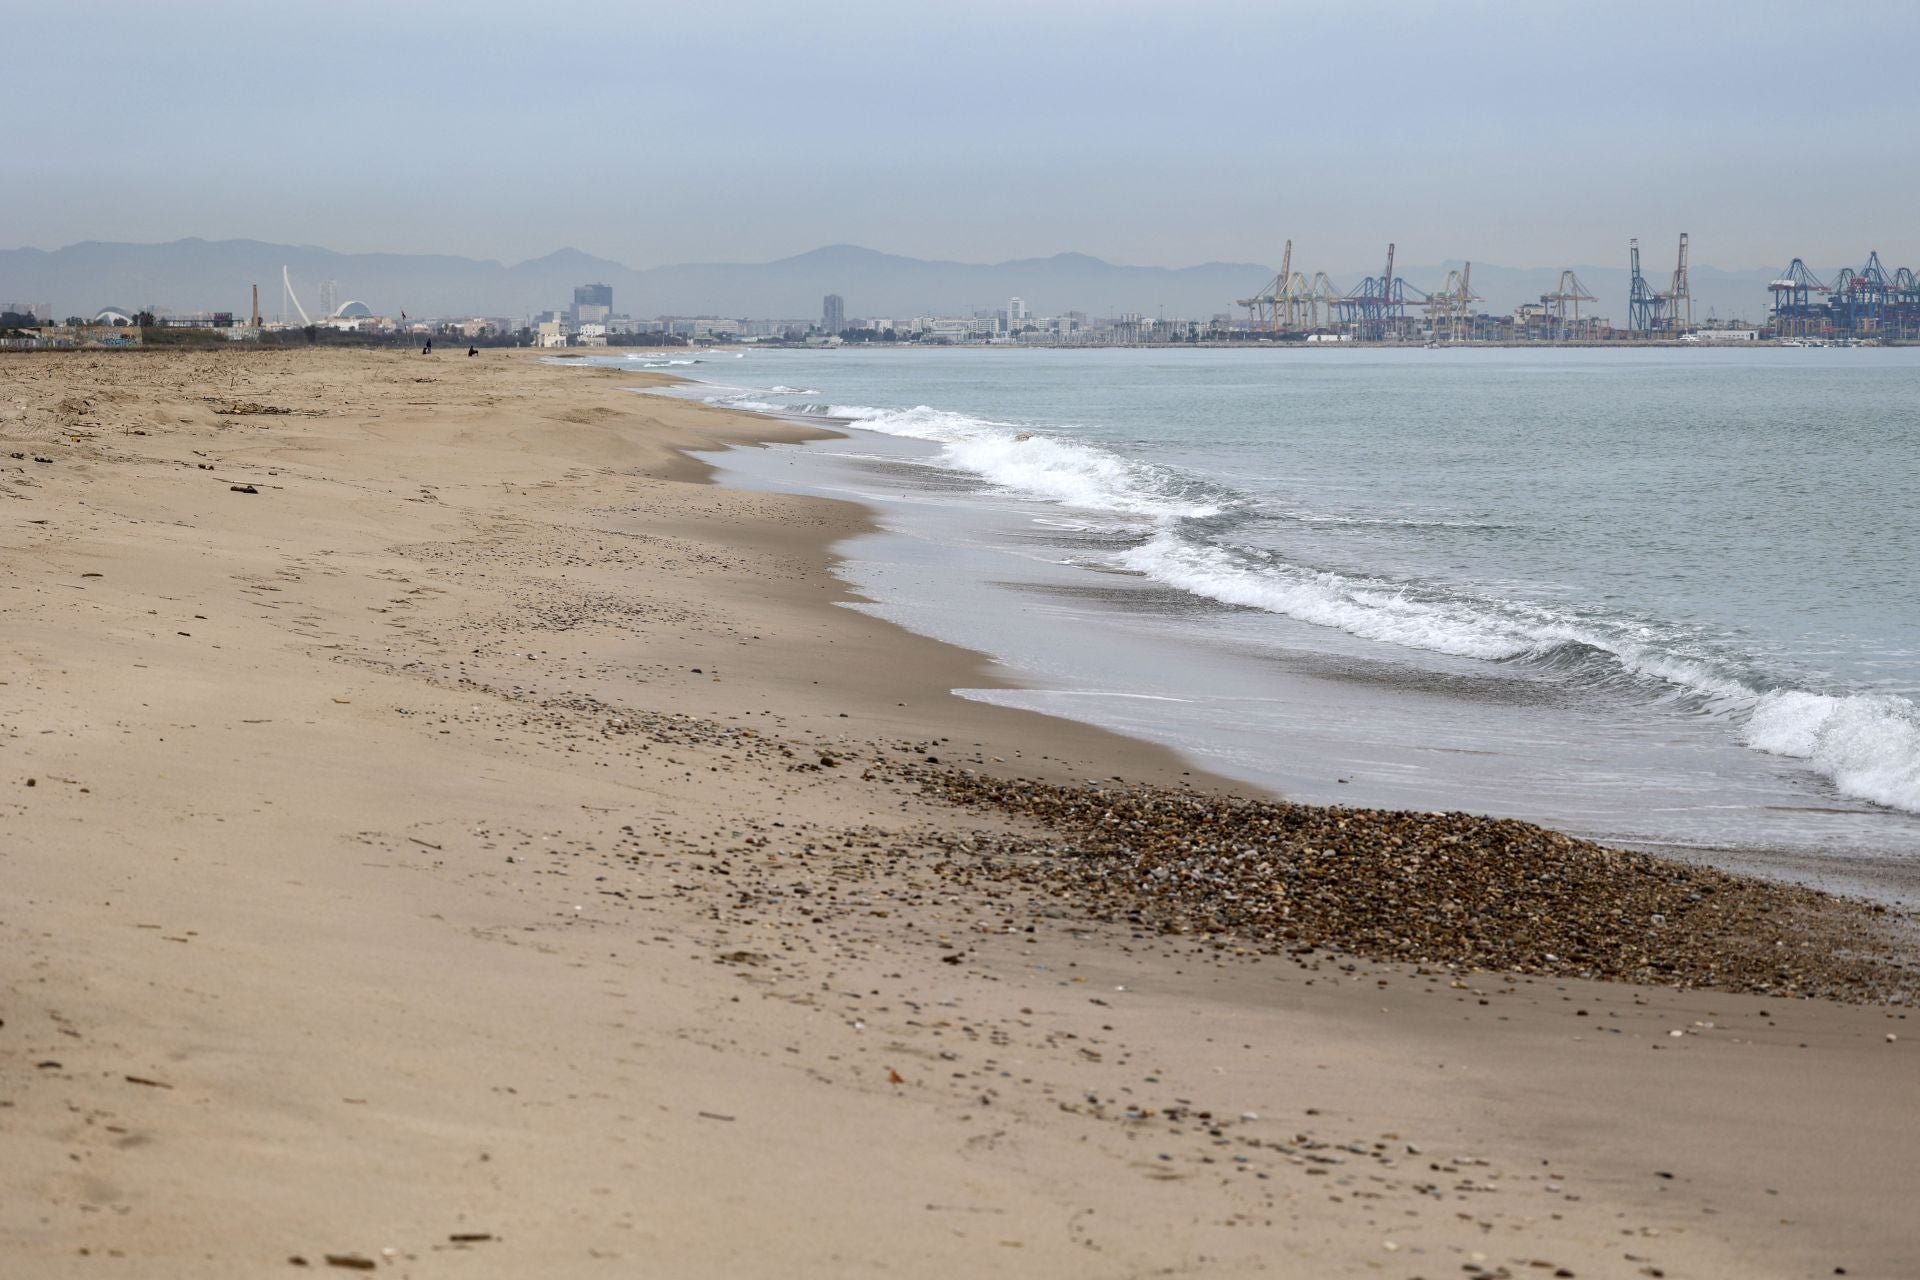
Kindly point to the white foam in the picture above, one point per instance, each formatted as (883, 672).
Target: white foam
(1369, 610)
(1868, 744)
(1035, 464)
(1088, 478)
(1486, 630)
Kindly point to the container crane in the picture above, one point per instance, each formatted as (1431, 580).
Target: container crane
(1644, 306)
(1277, 307)
(1679, 294)
(1565, 302)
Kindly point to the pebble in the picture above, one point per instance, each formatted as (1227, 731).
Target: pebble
(1429, 888)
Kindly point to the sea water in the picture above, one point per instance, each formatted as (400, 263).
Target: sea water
(1665, 597)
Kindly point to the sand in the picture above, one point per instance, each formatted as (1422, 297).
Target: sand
(462, 855)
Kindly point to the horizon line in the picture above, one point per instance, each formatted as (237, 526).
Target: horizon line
(1440, 263)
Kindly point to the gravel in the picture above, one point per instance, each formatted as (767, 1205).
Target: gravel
(1429, 888)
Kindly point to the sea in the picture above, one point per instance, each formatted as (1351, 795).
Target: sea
(1665, 598)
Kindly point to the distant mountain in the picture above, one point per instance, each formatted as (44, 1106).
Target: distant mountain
(198, 275)
(203, 275)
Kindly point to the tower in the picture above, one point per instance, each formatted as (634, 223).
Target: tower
(833, 313)
(592, 304)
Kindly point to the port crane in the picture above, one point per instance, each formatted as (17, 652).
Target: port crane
(1453, 304)
(1645, 308)
(1679, 294)
(1278, 307)
(1565, 302)
(1379, 305)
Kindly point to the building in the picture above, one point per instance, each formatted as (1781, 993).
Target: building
(592, 304)
(68, 336)
(1017, 314)
(833, 313)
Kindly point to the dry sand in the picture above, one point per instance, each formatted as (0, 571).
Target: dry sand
(436, 843)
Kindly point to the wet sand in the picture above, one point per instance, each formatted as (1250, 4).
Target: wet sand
(487, 849)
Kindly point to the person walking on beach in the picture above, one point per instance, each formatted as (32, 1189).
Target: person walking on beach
(428, 349)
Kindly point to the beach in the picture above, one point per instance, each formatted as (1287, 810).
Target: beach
(445, 834)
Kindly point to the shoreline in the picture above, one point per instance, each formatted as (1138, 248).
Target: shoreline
(478, 830)
(915, 548)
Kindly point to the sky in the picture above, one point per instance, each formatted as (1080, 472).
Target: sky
(1165, 133)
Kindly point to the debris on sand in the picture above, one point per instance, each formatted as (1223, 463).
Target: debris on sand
(1427, 888)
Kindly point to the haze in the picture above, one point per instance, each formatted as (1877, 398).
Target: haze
(1153, 133)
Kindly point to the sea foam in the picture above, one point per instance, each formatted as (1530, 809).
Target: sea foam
(1867, 745)
(1037, 465)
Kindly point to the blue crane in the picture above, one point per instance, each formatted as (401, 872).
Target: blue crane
(1645, 308)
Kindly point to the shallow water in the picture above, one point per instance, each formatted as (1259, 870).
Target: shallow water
(1660, 596)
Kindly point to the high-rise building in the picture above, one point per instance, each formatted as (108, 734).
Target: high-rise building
(833, 313)
(592, 304)
(1017, 314)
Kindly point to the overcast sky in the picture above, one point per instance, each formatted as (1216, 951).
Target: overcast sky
(1166, 133)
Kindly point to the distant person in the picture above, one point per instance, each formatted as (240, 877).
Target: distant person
(428, 349)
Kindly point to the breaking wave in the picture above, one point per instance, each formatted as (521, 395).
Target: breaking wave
(1867, 745)
(1047, 467)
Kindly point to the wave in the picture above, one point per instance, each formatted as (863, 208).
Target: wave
(1095, 479)
(1867, 744)
(1024, 461)
(1427, 618)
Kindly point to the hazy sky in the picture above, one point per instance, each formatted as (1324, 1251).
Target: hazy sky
(1156, 133)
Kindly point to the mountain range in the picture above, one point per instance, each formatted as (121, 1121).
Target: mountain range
(204, 275)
